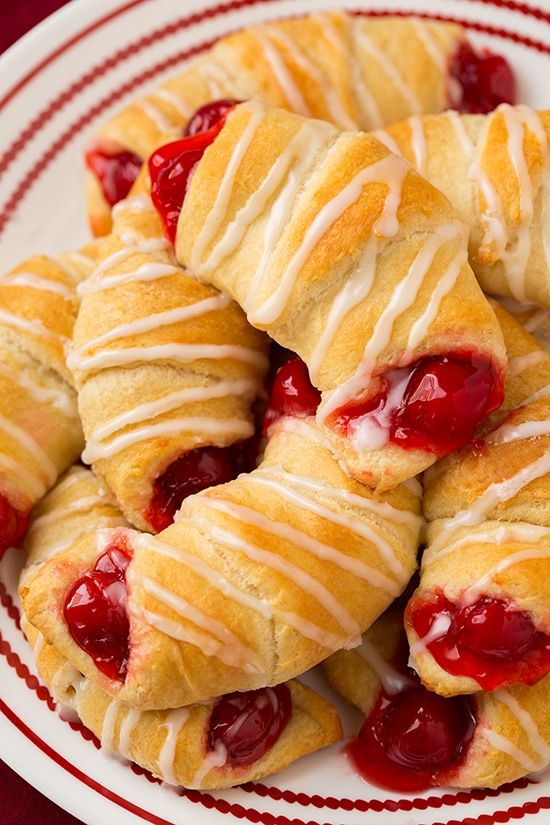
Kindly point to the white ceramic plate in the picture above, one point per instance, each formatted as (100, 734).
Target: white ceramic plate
(56, 85)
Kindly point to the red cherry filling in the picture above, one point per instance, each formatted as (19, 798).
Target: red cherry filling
(172, 166)
(485, 79)
(96, 615)
(209, 115)
(13, 525)
(292, 393)
(435, 404)
(411, 739)
(115, 171)
(248, 724)
(487, 639)
(195, 471)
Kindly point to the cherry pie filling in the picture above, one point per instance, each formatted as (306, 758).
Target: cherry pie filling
(246, 725)
(115, 170)
(413, 739)
(487, 639)
(484, 80)
(435, 404)
(292, 393)
(96, 614)
(13, 525)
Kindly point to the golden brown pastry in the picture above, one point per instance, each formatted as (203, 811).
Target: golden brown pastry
(347, 257)
(166, 368)
(413, 739)
(533, 319)
(494, 170)
(354, 72)
(40, 433)
(481, 615)
(197, 746)
(255, 582)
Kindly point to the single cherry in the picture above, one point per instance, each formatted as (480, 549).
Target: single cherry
(486, 80)
(116, 171)
(292, 393)
(96, 614)
(435, 404)
(13, 525)
(209, 115)
(248, 724)
(193, 471)
(488, 640)
(411, 738)
(171, 167)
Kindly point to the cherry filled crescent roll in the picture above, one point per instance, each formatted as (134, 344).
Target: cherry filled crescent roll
(357, 73)
(255, 582)
(533, 319)
(481, 615)
(494, 170)
(346, 256)
(412, 739)
(40, 432)
(190, 746)
(167, 370)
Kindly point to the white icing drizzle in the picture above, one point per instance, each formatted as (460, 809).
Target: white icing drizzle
(458, 125)
(537, 742)
(145, 272)
(182, 353)
(81, 505)
(65, 679)
(504, 745)
(94, 283)
(317, 548)
(38, 282)
(174, 100)
(222, 643)
(35, 486)
(403, 296)
(390, 69)
(31, 446)
(219, 209)
(516, 558)
(64, 402)
(213, 759)
(418, 143)
(495, 493)
(499, 534)
(97, 449)
(430, 43)
(34, 326)
(522, 362)
(174, 724)
(349, 522)
(127, 727)
(392, 681)
(388, 141)
(281, 72)
(510, 432)
(137, 203)
(438, 629)
(366, 101)
(333, 102)
(155, 114)
(541, 316)
(389, 168)
(108, 726)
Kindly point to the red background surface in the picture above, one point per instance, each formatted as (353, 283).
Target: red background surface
(19, 803)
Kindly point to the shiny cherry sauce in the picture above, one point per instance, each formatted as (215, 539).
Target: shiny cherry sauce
(172, 166)
(435, 404)
(115, 170)
(96, 614)
(486, 639)
(194, 471)
(292, 393)
(485, 80)
(413, 739)
(248, 724)
(13, 525)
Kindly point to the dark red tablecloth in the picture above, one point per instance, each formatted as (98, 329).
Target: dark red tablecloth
(20, 804)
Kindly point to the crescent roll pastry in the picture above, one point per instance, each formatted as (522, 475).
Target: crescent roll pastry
(255, 582)
(494, 169)
(413, 739)
(533, 319)
(481, 615)
(40, 433)
(166, 369)
(192, 746)
(356, 72)
(347, 257)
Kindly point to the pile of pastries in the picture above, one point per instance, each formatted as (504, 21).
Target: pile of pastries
(299, 359)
